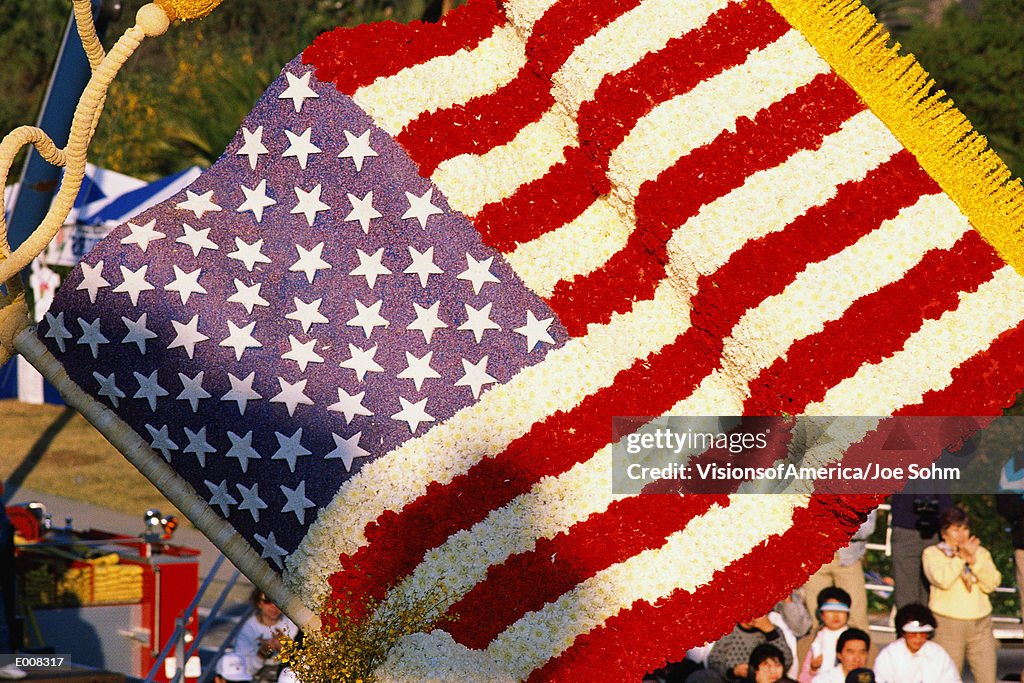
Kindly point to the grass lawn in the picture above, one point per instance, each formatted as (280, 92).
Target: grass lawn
(53, 449)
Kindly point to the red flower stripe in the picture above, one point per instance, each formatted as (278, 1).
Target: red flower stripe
(985, 384)
(558, 564)
(565, 26)
(781, 564)
(775, 133)
(548, 203)
(478, 126)
(873, 328)
(723, 42)
(764, 267)
(355, 57)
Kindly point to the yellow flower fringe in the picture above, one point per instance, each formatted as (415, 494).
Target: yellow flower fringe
(188, 9)
(900, 92)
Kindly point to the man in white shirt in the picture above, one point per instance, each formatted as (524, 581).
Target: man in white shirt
(852, 653)
(913, 658)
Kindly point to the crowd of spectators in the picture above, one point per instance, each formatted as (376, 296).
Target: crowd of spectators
(942, 579)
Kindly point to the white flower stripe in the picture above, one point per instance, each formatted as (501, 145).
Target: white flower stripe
(396, 100)
(693, 556)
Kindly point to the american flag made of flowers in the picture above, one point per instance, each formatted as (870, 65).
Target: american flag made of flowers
(385, 335)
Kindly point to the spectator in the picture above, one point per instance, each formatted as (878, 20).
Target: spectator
(766, 665)
(846, 571)
(232, 668)
(259, 641)
(962, 575)
(915, 526)
(833, 612)
(852, 653)
(913, 658)
(729, 659)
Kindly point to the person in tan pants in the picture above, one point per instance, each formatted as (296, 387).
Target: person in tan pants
(962, 575)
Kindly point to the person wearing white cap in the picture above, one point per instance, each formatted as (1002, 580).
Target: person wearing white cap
(232, 668)
(913, 658)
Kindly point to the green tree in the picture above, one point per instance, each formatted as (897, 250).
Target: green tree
(979, 61)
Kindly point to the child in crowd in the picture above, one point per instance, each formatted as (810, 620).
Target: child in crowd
(833, 613)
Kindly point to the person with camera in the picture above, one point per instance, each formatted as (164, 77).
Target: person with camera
(915, 526)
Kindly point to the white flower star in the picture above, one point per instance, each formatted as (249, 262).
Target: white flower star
(423, 265)
(251, 501)
(350, 404)
(187, 335)
(241, 392)
(309, 203)
(138, 333)
(358, 148)
(292, 395)
(298, 90)
(347, 449)
(361, 361)
(241, 338)
(197, 240)
(253, 146)
(477, 272)
(307, 314)
(134, 283)
(413, 414)
(302, 353)
(161, 441)
(220, 497)
(297, 501)
(192, 390)
(92, 280)
(256, 200)
(108, 387)
(186, 284)
(290, 448)
(58, 332)
(300, 147)
(92, 336)
(420, 208)
(475, 376)
(249, 254)
(142, 235)
(370, 267)
(367, 317)
(241, 448)
(149, 388)
(199, 204)
(198, 445)
(479, 321)
(535, 331)
(418, 369)
(271, 550)
(426, 321)
(309, 262)
(362, 210)
(248, 295)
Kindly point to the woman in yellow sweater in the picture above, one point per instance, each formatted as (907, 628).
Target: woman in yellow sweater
(962, 575)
